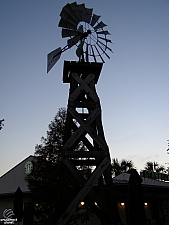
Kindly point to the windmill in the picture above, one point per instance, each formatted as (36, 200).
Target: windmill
(85, 31)
(84, 125)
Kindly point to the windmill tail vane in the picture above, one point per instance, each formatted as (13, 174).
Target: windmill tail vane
(83, 30)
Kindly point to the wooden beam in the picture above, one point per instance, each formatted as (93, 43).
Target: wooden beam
(81, 130)
(83, 192)
(86, 87)
(80, 88)
(85, 154)
(88, 104)
(86, 126)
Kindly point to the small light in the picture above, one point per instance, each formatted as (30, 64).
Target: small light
(145, 203)
(82, 203)
(36, 204)
(122, 203)
(95, 203)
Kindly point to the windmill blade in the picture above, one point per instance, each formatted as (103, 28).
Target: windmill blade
(64, 23)
(93, 53)
(99, 54)
(103, 32)
(95, 18)
(65, 15)
(88, 15)
(81, 8)
(68, 33)
(53, 57)
(104, 51)
(100, 25)
(106, 47)
(75, 9)
(105, 39)
(68, 8)
(73, 41)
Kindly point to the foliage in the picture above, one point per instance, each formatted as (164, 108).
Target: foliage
(1, 123)
(154, 167)
(121, 167)
(44, 180)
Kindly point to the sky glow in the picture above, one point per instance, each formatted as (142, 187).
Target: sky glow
(133, 86)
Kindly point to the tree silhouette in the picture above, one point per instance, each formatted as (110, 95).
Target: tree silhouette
(44, 180)
(154, 167)
(121, 167)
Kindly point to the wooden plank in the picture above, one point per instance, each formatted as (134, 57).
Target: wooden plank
(83, 192)
(68, 127)
(86, 87)
(80, 131)
(87, 162)
(88, 105)
(85, 154)
(80, 68)
(80, 88)
(78, 178)
(86, 126)
(87, 143)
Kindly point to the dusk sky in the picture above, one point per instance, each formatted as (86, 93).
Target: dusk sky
(133, 86)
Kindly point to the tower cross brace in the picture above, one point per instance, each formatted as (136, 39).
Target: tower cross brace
(84, 128)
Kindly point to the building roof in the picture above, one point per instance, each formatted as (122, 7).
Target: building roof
(124, 178)
(15, 178)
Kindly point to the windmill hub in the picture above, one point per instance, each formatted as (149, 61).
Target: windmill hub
(85, 34)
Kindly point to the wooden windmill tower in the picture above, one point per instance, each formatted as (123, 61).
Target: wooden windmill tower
(84, 124)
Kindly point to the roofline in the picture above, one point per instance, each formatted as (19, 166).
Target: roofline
(17, 165)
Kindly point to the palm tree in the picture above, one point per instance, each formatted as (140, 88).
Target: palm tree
(121, 167)
(154, 167)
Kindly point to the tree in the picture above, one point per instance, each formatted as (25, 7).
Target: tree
(154, 167)
(44, 180)
(1, 123)
(121, 167)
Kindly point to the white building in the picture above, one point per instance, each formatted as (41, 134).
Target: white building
(9, 183)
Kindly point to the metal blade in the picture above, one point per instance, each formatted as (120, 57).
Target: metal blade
(105, 39)
(73, 41)
(99, 54)
(104, 51)
(95, 18)
(106, 47)
(100, 25)
(68, 8)
(75, 9)
(81, 8)
(93, 53)
(66, 24)
(65, 15)
(103, 32)
(53, 57)
(68, 33)
(88, 15)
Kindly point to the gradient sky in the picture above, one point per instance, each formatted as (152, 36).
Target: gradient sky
(133, 86)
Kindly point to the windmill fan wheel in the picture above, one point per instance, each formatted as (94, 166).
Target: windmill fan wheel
(84, 30)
